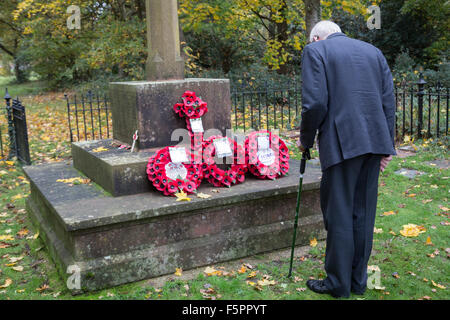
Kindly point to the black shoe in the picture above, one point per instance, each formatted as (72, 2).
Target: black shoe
(359, 293)
(319, 286)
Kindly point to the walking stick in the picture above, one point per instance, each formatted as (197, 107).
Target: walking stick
(305, 156)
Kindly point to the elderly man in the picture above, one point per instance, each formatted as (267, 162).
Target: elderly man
(348, 96)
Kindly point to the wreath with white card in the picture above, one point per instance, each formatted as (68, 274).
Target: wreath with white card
(171, 169)
(221, 148)
(266, 155)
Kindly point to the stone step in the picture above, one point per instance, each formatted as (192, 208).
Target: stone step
(115, 240)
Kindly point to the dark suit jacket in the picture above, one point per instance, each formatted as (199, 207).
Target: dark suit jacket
(348, 95)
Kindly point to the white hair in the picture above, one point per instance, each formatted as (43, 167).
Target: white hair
(323, 29)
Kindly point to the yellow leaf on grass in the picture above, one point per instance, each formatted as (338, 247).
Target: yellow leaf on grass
(6, 284)
(428, 242)
(18, 268)
(182, 196)
(445, 208)
(6, 237)
(178, 272)
(9, 163)
(266, 282)
(243, 269)
(17, 197)
(389, 213)
(411, 230)
(313, 242)
(210, 271)
(23, 232)
(377, 230)
(440, 286)
(15, 259)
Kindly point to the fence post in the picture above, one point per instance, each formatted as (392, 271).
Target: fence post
(12, 136)
(420, 95)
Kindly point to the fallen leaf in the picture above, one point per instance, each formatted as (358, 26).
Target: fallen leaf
(182, 196)
(178, 272)
(388, 213)
(440, 286)
(6, 237)
(100, 149)
(426, 201)
(428, 242)
(377, 230)
(243, 269)
(266, 282)
(23, 232)
(43, 287)
(6, 284)
(300, 289)
(18, 268)
(411, 230)
(313, 242)
(203, 195)
(15, 259)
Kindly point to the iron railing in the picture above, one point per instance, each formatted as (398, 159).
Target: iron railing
(422, 110)
(17, 131)
(88, 116)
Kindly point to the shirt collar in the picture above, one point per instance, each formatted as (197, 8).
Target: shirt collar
(336, 34)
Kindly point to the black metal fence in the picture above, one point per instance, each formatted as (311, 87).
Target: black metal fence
(422, 109)
(88, 116)
(17, 132)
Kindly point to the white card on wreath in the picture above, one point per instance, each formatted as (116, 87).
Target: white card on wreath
(263, 142)
(178, 154)
(196, 125)
(222, 148)
(175, 171)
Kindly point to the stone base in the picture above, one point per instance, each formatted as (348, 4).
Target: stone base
(147, 106)
(118, 171)
(115, 240)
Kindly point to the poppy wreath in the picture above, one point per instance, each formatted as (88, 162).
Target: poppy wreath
(191, 107)
(157, 174)
(280, 164)
(219, 177)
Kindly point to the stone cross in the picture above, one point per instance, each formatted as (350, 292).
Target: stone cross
(163, 37)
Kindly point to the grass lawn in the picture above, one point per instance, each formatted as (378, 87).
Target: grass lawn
(410, 267)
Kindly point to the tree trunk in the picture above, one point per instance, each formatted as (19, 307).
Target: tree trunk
(312, 14)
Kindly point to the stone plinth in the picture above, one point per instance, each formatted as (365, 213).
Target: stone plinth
(118, 171)
(147, 106)
(115, 240)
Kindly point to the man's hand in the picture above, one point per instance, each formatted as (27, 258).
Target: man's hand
(299, 145)
(384, 162)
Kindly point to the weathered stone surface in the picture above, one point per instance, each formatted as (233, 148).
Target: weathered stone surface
(118, 171)
(127, 238)
(147, 106)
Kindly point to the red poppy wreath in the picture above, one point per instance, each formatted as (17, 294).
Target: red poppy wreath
(219, 177)
(169, 177)
(266, 155)
(191, 107)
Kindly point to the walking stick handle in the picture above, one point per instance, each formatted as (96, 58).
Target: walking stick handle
(305, 156)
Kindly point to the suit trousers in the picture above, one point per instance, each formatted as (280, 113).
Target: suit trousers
(348, 199)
